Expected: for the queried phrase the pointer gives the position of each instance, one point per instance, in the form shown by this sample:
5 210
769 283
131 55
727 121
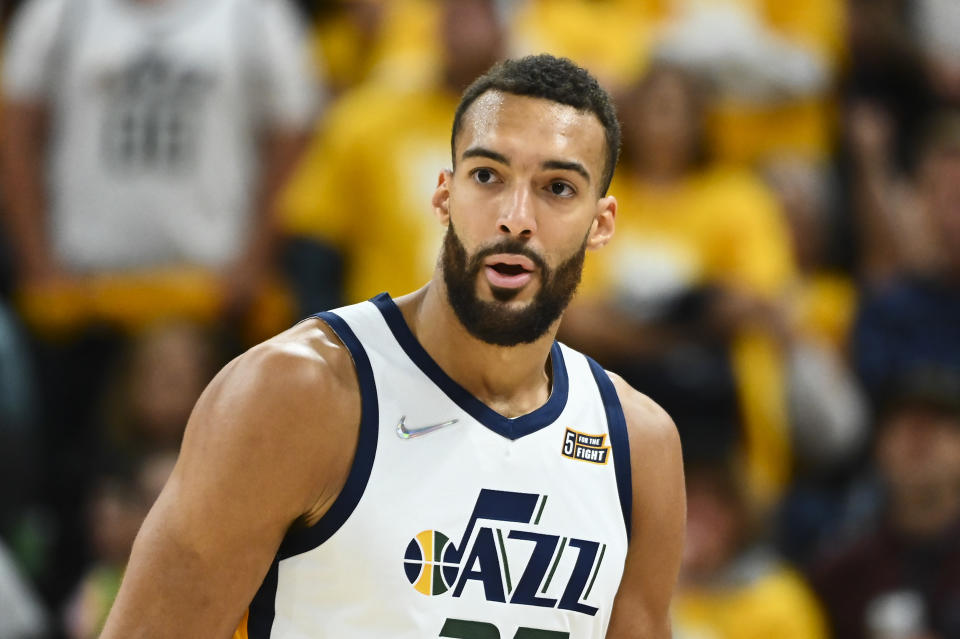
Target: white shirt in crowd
156 110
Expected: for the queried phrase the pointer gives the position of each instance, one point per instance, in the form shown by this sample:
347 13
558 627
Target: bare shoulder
306 353
256 459
294 370
279 405
648 424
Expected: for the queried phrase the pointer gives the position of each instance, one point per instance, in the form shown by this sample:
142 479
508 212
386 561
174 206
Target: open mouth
508 270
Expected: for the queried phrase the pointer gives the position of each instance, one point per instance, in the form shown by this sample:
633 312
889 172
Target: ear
603 223
441 197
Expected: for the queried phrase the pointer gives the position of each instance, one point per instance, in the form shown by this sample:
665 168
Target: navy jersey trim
262 608
300 541
619 440
510 428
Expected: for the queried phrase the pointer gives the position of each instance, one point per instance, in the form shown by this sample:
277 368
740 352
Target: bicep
200 554
642 605
242 478
176 582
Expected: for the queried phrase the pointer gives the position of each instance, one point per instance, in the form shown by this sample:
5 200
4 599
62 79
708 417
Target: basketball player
435 465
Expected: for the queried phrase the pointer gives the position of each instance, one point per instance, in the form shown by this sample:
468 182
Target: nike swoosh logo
406 433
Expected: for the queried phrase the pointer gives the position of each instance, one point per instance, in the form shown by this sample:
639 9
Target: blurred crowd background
183 178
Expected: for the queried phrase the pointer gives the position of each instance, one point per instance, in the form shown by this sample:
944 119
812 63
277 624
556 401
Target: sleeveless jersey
454 520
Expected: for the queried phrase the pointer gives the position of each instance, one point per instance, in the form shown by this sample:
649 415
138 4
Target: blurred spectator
901 578
912 318
892 226
885 102
684 303
773 64
366 183
570 27
732 586
828 412
345 40
145 140
354 43
886 70
116 510
388 41
155 386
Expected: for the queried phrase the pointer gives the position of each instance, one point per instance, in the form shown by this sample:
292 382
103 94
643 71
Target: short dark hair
556 79
928 387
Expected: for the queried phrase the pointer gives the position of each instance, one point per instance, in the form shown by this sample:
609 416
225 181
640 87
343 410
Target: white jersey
156 112
456 521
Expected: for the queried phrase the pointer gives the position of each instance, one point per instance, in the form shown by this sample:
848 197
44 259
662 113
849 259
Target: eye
483 176
562 189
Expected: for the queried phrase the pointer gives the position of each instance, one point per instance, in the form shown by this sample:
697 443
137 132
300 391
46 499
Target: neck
512 380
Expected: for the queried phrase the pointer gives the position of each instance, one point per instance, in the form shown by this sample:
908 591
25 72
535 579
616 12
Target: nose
517 217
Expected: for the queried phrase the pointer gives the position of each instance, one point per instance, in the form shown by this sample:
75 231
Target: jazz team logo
424 566
489 558
588 448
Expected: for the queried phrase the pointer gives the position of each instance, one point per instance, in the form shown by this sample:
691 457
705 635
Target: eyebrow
480 152
562 165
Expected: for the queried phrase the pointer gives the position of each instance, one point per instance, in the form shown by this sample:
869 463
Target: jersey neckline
511 428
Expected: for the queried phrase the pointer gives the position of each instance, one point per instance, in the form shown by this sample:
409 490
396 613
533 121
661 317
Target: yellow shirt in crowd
743 131
365 187
720 226
740 131
401 46
777 604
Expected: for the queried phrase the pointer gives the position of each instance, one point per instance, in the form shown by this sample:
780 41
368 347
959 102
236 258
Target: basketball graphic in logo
424 565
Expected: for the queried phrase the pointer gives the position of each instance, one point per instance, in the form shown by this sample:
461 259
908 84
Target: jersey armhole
305 539
258 623
619 440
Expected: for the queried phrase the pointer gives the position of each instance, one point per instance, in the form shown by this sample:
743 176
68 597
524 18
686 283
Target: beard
495 322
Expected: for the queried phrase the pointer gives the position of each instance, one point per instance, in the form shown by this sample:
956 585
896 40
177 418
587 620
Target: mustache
508 245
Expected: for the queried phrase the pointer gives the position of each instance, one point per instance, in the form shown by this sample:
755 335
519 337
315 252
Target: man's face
918 452
494 322
663 123
522 207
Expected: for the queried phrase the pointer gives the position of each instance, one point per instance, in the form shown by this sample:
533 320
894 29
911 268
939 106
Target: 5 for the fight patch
588 448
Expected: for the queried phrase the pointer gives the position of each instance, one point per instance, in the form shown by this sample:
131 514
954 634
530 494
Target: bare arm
252 463
281 149
894 231
22 152
641 609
